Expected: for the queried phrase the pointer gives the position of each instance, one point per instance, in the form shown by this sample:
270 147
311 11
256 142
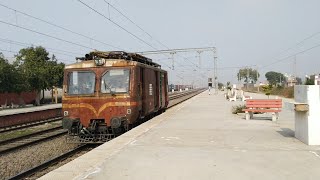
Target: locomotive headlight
99 61
65 113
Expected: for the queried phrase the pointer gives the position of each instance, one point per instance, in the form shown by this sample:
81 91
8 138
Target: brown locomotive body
107 92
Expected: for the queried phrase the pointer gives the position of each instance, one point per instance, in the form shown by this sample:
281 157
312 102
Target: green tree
40 71
274 77
220 85
6 75
267 89
228 85
12 79
299 80
248 74
55 72
309 82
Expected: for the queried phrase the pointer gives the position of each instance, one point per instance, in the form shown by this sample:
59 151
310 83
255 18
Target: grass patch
15 134
238 109
30 130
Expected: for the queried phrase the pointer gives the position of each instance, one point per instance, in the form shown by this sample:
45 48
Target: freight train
108 92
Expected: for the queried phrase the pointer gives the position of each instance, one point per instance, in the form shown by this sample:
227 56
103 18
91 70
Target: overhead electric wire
135 23
44 34
297 44
282 59
59 26
109 19
56 51
143 29
117 24
120 27
8 51
300 42
18 53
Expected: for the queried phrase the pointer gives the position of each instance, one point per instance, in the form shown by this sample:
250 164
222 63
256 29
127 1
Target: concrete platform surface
6 112
200 139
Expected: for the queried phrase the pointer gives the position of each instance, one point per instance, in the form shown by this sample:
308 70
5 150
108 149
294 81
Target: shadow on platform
286 132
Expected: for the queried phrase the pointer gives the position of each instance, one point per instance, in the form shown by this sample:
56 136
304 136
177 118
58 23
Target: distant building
315 78
290 80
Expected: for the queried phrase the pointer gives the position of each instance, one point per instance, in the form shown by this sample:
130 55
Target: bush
287 92
238 109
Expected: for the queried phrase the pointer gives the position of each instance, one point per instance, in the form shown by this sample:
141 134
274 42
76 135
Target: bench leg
277 115
251 115
274 117
247 115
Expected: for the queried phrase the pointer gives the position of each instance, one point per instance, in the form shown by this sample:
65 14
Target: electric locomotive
107 92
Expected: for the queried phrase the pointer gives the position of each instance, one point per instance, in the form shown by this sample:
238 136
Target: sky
261 34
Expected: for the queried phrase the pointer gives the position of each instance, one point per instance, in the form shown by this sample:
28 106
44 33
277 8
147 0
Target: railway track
182 94
51 162
31 124
27 140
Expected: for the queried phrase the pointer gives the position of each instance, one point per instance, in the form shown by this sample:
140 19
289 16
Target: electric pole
172 57
215 72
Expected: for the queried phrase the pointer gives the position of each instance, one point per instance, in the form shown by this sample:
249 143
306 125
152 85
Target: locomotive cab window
115 81
81 83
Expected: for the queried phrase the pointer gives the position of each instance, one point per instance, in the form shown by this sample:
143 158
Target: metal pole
247 78
172 56
199 52
215 73
257 78
295 67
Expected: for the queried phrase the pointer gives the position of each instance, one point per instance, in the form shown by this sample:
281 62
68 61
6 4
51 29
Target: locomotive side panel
148 92
157 91
164 90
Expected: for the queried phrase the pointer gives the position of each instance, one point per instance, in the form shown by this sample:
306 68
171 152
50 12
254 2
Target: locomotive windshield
81 83
115 81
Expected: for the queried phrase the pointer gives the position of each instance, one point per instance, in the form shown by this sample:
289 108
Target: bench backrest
264 103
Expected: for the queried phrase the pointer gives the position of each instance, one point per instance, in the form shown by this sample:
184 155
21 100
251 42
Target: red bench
263 105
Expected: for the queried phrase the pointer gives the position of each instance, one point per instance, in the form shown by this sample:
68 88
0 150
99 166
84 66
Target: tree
248 74
267 89
6 72
55 72
6 75
299 80
33 64
220 85
309 81
228 85
274 77
11 79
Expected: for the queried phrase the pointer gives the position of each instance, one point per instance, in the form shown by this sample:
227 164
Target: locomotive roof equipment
99 55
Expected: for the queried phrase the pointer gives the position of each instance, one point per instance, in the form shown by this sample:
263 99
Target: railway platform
200 139
6 112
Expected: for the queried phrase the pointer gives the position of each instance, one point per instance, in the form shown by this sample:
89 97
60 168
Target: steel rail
181 94
30 124
48 163
31 139
6 141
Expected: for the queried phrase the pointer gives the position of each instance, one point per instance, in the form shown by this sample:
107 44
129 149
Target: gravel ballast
18 161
